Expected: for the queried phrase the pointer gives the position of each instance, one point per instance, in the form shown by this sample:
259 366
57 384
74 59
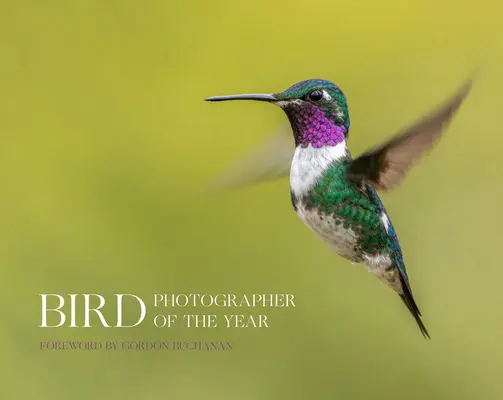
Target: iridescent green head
317 110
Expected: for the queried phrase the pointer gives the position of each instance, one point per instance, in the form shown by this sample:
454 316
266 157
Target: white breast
309 163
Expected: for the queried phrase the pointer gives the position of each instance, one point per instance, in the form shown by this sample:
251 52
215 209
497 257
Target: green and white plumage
334 194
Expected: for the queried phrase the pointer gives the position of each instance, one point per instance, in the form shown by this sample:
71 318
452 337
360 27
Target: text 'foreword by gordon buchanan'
193 310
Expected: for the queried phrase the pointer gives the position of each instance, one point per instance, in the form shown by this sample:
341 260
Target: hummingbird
334 194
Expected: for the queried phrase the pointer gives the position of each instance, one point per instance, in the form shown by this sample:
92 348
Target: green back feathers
335 195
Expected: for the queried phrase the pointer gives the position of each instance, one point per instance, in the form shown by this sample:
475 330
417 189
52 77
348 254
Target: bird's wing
271 159
385 166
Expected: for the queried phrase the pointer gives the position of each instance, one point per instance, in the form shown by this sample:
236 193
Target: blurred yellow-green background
106 145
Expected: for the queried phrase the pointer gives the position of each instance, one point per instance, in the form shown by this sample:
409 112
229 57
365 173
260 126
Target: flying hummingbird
335 194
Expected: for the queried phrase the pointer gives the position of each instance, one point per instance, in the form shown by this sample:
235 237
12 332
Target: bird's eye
315 95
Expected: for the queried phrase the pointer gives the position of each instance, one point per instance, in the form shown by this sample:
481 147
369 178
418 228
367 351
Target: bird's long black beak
257 97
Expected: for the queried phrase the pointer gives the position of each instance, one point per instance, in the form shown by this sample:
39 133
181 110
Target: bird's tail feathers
409 301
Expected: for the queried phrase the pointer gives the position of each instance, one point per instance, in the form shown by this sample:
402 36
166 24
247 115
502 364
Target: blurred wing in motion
271 159
385 166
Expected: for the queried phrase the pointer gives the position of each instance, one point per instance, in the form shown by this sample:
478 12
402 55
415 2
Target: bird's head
317 110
